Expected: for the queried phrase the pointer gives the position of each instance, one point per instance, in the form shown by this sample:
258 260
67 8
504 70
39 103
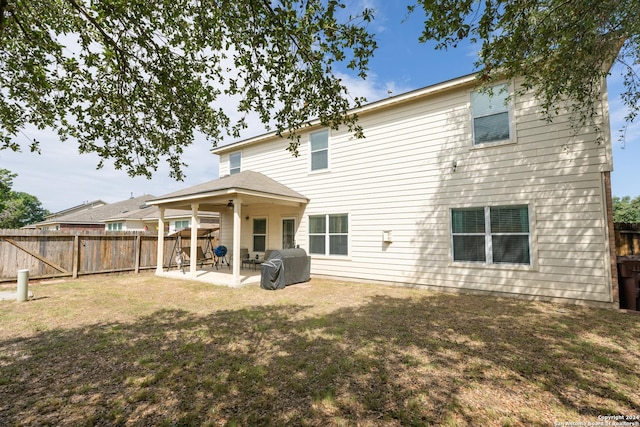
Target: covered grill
285 267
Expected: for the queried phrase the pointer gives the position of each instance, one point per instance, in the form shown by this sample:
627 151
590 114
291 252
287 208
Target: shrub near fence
49 254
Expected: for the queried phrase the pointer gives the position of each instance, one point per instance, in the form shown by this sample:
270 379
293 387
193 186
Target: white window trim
239 153
266 234
328 149
115 226
511 114
295 225
533 250
327 235
487 246
175 223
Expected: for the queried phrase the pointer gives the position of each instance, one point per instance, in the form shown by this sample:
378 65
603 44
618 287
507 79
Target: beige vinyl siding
400 178
274 216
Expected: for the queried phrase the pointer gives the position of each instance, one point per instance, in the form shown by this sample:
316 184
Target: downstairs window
329 234
491 235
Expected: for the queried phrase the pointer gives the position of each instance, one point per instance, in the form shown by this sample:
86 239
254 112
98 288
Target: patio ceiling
252 188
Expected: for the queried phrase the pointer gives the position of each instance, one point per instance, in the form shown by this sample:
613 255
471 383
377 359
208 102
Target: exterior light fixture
230 204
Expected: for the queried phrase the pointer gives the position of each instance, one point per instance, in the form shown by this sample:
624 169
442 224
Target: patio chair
200 256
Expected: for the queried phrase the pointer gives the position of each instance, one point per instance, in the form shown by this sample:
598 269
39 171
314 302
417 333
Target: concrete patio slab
221 277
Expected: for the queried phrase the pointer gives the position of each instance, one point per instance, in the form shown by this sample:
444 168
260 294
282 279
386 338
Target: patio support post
237 217
193 262
160 262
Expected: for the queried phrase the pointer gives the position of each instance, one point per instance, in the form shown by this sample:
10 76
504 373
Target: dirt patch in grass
141 350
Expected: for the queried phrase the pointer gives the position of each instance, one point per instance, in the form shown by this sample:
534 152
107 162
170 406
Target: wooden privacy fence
50 254
627 239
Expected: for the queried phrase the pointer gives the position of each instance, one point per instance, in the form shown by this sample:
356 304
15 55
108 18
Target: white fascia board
190 198
278 197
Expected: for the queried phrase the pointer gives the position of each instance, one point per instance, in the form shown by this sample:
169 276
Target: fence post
76 256
137 252
23 285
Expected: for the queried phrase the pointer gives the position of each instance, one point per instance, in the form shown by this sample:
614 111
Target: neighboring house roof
248 183
453 84
78 208
97 214
150 213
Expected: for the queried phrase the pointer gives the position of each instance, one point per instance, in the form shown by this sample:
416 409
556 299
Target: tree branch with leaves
17 209
563 49
134 80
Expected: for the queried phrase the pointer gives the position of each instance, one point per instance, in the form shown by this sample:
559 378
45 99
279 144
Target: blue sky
62 178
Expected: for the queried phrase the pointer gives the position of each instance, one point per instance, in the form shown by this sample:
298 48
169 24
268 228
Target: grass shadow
432 360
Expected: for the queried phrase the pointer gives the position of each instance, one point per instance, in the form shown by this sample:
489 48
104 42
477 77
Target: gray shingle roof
247 180
78 208
98 214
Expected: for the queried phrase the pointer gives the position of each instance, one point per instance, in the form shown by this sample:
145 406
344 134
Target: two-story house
452 188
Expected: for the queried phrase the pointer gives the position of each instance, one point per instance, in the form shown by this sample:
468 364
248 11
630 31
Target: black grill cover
272 275
285 267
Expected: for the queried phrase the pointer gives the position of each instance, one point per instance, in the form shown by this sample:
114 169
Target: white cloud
372 89
60 177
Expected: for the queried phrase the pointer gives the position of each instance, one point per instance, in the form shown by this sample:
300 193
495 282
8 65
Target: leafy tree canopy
17 209
563 48
626 210
6 183
132 80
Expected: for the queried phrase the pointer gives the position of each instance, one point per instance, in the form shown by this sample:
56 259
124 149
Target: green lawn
141 350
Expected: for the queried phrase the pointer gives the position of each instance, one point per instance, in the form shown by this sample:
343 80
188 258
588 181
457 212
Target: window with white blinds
329 234
235 162
490 110
259 234
469 236
319 146
491 235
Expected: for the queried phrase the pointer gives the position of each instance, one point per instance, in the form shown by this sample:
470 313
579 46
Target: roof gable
247 181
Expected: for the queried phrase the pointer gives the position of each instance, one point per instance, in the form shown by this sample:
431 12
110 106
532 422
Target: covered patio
230 196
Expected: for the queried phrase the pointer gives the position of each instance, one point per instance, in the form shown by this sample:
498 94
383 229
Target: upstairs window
235 159
319 143
491 235
490 111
